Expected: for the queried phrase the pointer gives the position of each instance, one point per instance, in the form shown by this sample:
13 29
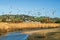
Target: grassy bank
47 34
11 27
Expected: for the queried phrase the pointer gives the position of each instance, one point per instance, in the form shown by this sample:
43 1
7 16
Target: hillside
27 18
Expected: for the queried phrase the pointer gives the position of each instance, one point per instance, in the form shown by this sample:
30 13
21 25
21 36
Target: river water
14 36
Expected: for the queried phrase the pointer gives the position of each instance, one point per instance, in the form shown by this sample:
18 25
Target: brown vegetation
46 34
10 27
27 25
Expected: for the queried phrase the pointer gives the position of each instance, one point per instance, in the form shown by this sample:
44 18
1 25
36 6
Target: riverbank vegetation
10 23
24 26
47 36
51 34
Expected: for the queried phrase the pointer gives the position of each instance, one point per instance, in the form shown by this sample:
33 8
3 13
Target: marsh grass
3 32
47 36
36 36
53 36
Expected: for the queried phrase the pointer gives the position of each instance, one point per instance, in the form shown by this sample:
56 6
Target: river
14 36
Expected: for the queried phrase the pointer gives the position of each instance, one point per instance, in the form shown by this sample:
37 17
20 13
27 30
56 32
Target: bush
58 21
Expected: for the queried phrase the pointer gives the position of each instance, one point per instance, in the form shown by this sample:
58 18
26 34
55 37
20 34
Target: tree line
27 18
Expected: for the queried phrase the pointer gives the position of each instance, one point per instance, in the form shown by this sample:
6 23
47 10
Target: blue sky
27 5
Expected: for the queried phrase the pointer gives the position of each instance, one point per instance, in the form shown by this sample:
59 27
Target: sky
45 7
